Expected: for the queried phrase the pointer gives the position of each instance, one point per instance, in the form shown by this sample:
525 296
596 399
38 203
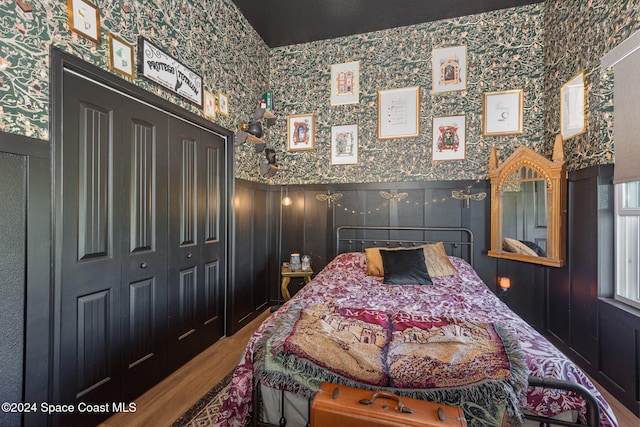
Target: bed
349 327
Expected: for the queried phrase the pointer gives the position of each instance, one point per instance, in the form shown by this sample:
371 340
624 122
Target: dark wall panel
250 285
241 293
309 224
12 280
583 229
24 286
619 347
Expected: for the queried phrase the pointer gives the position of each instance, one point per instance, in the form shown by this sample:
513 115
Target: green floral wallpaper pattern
578 33
209 36
504 50
536 47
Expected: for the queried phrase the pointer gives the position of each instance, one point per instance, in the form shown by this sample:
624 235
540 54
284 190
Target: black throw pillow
405 267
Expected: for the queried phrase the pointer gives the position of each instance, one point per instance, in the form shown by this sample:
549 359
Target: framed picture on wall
449 138
345 83
120 56
301 132
399 113
210 105
502 112
449 69
344 145
223 104
572 107
84 19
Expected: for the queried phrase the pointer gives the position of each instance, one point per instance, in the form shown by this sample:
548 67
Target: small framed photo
572 107
450 69
121 56
502 112
449 138
344 145
210 105
398 113
345 83
223 104
301 132
84 19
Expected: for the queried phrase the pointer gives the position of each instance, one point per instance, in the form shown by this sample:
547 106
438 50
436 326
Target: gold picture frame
399 113
449 69
223 104
344 145
301 129
572 107
502 112
84 19
121 57
449 138
345 83
210 105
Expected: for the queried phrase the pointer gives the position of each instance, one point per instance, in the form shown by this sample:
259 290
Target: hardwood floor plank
625 417
167 401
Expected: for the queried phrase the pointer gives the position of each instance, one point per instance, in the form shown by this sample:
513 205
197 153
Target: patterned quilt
409 312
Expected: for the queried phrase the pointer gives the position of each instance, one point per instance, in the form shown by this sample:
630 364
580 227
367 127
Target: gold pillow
517 247
436 260
438 263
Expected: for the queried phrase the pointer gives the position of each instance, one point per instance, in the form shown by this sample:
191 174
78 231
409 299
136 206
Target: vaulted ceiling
287 22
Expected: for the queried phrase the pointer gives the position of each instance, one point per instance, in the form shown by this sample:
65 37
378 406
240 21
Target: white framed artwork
449 138
344 145
449 71
345 83
572 107
502 112
399 113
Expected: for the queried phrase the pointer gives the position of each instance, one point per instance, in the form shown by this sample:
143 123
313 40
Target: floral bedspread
344 283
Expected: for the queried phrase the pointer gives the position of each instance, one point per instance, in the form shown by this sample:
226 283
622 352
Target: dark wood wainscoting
24 273
253 259
266 232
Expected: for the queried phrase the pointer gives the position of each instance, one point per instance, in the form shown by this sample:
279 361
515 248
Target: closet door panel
213 247
184 256
87 246
144 246
196 240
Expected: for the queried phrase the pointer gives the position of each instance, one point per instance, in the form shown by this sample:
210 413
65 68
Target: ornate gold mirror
528 206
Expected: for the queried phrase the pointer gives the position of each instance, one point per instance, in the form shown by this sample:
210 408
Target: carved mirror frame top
554 173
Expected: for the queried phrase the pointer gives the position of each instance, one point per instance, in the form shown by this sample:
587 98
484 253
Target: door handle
189 255
143 265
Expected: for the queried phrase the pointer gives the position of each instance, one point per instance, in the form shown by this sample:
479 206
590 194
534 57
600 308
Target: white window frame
627 255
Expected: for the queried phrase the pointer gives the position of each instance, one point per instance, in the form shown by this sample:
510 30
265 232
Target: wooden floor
167 401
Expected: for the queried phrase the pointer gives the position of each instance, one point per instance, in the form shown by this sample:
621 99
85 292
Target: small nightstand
286 278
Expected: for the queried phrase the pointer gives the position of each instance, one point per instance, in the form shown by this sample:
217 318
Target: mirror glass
524 217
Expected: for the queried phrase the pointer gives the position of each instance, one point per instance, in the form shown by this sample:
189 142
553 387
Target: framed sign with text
156 65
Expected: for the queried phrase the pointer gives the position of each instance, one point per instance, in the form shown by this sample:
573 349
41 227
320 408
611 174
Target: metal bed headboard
458 241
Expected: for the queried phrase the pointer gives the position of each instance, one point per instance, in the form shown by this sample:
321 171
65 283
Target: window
628 243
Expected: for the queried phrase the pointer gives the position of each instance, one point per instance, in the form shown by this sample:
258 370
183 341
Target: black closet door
144 179
112 247
197 273
88 249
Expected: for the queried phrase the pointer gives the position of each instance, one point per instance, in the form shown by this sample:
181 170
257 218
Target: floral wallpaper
209 36
517 48
594 27
504 51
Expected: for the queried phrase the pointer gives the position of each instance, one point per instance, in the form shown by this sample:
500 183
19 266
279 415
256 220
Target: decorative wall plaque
160 67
